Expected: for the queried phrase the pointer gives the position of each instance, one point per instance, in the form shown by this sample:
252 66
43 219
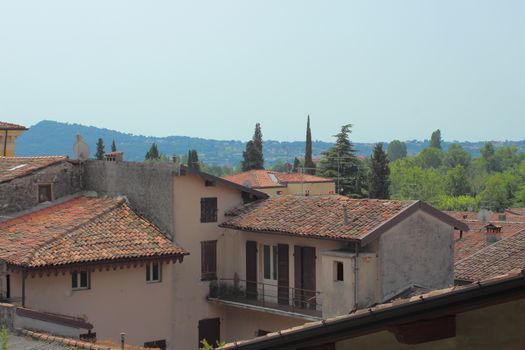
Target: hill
55 138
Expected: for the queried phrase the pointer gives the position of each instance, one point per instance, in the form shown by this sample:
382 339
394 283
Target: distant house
276 183
8 134
93 258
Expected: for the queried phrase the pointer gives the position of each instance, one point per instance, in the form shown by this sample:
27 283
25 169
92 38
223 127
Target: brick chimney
114 156
493 233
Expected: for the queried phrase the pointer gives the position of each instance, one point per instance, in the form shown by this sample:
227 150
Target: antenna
81 149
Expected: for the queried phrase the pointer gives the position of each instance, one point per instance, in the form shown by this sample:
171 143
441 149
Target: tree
279 166
456 182
253 156
309 164
113 146
488 158
396 150
296 165
379 174
435 139
455 156
340 163
100 149
193 159
153 153
430 158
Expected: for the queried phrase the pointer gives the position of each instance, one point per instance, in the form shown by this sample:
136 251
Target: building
8 134
289 259
96 259
276 183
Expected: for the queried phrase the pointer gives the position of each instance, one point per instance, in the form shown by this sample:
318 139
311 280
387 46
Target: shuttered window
209 209
208 260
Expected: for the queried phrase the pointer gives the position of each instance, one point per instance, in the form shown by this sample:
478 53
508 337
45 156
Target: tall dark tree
253 156
296 165
488 156
435 139
379 182
341 164
396 150
113 146
153 153
309 164
193 159
100 149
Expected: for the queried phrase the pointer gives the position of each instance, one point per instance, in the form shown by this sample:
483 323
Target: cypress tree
113 146
296 165
308 161
100 149
379 174
153 153
435 139
253 156
193 159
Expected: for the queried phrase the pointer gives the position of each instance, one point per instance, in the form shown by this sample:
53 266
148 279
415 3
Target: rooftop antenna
81 149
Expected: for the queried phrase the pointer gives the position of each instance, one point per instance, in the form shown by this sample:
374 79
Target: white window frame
273 262
79 279
150 268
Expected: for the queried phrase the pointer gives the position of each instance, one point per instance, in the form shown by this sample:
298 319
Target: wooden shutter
298 276
208 260
283 274
210 329
251 269
309 276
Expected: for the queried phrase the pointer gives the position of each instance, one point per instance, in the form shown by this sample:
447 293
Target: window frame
208 268
44 185
339 271
272 264
150 269
209 209
78 275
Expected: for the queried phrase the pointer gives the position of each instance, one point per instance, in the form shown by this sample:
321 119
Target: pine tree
435 139
113 146
100 149
309 164
296 165
153 153
193 159
379 174
253 156
341 164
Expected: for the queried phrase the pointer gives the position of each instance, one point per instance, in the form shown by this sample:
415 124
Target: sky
212 69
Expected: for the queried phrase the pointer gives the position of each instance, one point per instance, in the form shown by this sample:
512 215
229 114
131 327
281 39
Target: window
157 344
270 262
209 209
80 280
338 271
153 272
209 183
208 260
44 193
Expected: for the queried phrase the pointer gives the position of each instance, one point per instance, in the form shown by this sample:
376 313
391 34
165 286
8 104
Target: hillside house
9 132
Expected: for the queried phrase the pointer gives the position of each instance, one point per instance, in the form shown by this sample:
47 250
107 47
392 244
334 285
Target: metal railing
268 295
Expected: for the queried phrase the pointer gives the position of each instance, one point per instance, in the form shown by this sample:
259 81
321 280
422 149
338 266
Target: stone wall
22 193
148 187
7 315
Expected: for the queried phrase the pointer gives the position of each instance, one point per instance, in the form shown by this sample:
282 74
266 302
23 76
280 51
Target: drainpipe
24 275
356 273
5 143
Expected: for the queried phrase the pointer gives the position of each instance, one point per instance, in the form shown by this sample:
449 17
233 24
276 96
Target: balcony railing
267 295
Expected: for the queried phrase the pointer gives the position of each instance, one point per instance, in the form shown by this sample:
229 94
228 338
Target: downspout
356 273
5 143
24 275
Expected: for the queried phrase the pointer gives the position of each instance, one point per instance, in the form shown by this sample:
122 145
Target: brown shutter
210 329
283 274
251 269
208 260
298 275
309 276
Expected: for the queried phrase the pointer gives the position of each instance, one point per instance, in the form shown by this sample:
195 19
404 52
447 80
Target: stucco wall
22 193
148 186
312 188
12 135
118 301
417 251
495 327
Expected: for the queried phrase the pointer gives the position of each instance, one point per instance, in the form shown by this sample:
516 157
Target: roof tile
14 167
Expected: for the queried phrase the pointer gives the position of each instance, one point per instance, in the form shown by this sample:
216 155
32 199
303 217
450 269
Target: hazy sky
395 69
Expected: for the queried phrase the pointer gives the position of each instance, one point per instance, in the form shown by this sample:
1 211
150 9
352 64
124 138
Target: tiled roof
13 167
11 126
320 216
511 215
499 258
475 239
267 178
83 229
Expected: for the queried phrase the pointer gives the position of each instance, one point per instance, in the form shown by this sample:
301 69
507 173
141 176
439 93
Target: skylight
273 178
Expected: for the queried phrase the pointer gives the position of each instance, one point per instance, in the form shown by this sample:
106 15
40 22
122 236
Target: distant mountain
54 138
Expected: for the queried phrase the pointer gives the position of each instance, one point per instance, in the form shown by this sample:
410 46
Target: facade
275 183
8 134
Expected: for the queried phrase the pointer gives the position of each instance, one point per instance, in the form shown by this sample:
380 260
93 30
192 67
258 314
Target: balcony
282 300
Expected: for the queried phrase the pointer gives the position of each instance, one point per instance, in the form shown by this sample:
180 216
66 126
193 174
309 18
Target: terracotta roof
13 167
499 258
80 230
267 178
323 216
511 215
475 239
11 126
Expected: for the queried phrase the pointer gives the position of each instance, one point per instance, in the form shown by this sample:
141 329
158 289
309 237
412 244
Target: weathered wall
312 188
22 193
12 135
417 251
495 327
7 315
148 186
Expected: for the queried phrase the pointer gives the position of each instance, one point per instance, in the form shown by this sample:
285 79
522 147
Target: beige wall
312 188
495 327
118 301
12 135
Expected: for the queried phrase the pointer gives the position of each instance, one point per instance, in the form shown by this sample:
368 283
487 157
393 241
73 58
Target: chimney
114 156
493 233
502 217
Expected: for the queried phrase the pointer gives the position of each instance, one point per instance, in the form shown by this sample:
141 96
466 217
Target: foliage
218 170
153 153
379 174
206 346
456 182
414 182
100 150
309 164
456 155
296 165
253 155
280 166
396 150
435 139
4 339
463 203
113 146
193 160
430 158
